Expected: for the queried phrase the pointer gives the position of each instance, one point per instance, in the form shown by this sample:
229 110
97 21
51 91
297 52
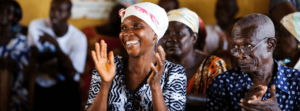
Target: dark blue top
228 88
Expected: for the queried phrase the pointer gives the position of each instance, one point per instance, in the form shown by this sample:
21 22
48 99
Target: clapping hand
256 104
157 72
105 69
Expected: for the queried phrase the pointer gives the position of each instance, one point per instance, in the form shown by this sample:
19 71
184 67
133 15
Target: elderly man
259 83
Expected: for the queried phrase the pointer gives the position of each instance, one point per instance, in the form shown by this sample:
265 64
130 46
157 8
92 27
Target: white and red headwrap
155 16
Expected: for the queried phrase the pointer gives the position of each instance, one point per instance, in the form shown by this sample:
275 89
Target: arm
154 82
195 99
215 100
65 64
107 72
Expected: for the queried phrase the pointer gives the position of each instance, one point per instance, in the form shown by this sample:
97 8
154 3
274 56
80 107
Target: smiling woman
135 83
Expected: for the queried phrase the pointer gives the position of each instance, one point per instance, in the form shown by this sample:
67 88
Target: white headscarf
152 14
185 16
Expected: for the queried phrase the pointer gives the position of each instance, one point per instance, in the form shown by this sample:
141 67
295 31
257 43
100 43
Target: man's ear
271 44
195 37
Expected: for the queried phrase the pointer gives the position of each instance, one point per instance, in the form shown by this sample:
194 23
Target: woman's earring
298 45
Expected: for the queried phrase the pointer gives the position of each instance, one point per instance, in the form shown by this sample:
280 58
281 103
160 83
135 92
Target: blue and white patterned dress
227 89
120 98
18 50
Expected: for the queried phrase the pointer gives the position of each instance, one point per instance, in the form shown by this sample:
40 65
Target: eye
235 46
137 26
123 28
178 33
249 46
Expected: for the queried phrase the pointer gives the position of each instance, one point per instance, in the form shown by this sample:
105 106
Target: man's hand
48 38
269 104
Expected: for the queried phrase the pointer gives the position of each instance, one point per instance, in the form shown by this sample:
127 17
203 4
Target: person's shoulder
231 74
37 22
174 67
76 31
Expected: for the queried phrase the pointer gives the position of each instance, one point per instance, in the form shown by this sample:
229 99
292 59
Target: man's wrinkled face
248 38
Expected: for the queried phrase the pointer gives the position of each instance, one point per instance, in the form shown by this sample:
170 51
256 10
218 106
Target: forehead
60 4
132 19
245 33
7 5
176 25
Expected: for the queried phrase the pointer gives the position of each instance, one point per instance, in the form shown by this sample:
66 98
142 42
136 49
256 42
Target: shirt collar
279 79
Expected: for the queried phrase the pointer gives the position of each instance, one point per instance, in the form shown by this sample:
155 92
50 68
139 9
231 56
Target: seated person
109 33
168 4
14 54
288 41
178 42
135 83
54 37
218 34
260 82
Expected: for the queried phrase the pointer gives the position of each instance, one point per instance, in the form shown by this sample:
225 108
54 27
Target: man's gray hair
264 25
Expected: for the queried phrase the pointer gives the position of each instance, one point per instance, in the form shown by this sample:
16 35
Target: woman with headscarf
178 43
143 81
288 44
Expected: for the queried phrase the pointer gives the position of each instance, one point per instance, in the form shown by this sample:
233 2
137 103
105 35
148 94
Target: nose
171 38
128 33
241 54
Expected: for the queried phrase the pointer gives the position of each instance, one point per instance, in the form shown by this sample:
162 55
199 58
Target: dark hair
17 10
176 4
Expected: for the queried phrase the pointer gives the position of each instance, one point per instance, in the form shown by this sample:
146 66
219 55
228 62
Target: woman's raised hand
157 72
106 70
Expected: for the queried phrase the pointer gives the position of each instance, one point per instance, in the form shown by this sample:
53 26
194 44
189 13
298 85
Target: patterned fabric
228 88
185 16
274 3
18 50
291 22
152 14
208 70
120 98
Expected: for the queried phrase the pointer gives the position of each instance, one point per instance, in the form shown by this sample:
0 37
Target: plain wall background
33 9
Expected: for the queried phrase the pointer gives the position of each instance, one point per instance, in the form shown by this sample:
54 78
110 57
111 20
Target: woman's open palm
105 69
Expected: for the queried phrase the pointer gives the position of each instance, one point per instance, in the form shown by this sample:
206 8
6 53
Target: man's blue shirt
227 89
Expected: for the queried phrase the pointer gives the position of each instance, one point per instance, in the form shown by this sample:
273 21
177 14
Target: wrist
155 87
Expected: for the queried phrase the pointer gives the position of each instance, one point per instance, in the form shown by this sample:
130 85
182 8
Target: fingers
111 58
153 68
273 91
102 49
97 48
94 56
161 53
159 61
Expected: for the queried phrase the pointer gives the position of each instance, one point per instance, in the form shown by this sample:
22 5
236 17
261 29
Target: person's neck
5 34
60 30
141 65
263 76
186 60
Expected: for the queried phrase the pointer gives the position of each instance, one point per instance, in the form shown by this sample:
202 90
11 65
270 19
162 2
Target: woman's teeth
129 43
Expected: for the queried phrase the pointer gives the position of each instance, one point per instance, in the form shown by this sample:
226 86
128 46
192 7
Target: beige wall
33 9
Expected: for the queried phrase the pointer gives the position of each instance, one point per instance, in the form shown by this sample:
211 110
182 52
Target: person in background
134 83
288 44
110 34
14 54
178 42
260 82
280 8
168 4
65 46
217 34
